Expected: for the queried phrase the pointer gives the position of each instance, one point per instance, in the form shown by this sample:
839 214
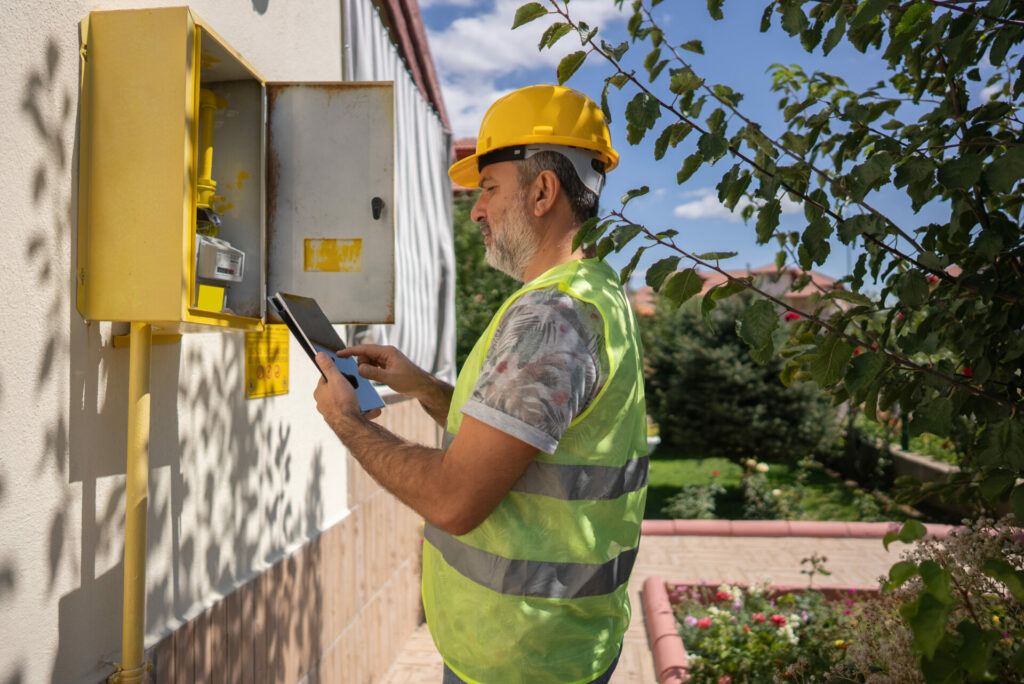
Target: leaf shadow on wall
206 517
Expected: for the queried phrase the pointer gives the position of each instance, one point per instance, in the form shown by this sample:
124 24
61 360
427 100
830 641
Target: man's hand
387 365
335 398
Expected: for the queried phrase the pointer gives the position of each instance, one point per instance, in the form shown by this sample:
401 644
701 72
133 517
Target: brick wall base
337 610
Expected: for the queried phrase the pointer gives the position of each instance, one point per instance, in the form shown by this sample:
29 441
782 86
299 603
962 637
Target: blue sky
479 58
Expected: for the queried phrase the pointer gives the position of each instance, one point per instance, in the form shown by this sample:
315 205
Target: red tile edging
781 528
670 662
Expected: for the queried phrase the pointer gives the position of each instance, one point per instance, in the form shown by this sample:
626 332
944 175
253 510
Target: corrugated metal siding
424 328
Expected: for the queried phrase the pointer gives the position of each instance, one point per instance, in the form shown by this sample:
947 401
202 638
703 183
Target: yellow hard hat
539 117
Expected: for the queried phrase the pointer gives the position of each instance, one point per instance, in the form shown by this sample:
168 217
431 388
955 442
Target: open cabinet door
330 197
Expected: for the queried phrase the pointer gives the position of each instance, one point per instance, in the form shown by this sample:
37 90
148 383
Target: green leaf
912 289
1002 444
1004 173
636 192
863 370
815 240
553 34
657 273
961 173
693 46
846 296
622 235
584 228
973 653
768 220
1001 570
528 13
861 224
900 573
927 619
937 581
730 288
707 305
641 113
684 81
569 64
690 166
867 12
712 146
1017 502
996 484
715 256
911 531
933 416
830 363
715 9
682 286
910 17
628 269
671 135
617 51
757 323
794 20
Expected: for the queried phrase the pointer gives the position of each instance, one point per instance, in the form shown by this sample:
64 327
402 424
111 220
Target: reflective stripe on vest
586 482
579 482
532 578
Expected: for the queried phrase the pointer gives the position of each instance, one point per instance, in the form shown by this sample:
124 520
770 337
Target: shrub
710 398
962 595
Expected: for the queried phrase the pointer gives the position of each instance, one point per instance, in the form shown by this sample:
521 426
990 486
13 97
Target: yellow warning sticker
333 255
266 362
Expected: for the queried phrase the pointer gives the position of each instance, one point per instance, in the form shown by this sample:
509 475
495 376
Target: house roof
819 281
404 22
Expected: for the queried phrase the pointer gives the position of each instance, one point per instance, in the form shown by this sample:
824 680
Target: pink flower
746 628
690 620
725 679
757 617
723 596
703 623
777 620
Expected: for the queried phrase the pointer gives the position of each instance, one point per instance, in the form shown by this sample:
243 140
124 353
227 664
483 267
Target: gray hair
582 200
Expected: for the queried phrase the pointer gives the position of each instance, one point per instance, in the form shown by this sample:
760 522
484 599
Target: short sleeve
545 364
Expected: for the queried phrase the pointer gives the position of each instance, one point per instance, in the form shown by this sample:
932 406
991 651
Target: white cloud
473 52
706 205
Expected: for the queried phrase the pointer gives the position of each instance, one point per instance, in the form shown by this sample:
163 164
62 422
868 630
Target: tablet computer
315 333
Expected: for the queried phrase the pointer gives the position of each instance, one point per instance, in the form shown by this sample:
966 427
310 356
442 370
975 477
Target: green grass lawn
823 497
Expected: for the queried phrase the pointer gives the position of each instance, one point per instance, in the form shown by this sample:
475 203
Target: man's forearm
435 396
411 472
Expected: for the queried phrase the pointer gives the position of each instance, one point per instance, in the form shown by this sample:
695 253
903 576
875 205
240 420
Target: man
534 503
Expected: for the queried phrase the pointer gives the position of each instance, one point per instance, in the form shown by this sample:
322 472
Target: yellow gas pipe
133 666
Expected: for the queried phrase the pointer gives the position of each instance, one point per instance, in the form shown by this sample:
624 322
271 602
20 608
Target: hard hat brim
465 172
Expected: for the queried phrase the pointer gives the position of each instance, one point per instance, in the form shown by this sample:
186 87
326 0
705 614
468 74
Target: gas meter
202 187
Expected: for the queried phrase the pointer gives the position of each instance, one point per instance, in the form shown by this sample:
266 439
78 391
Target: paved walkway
852 562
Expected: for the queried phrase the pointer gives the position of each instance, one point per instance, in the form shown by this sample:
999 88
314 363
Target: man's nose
479 211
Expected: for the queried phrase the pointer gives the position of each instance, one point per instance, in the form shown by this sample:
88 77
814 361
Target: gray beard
516 247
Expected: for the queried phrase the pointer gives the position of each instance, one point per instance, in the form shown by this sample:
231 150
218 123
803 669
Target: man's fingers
326 364
371 372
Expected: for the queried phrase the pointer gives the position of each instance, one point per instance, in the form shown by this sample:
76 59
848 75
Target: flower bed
746 633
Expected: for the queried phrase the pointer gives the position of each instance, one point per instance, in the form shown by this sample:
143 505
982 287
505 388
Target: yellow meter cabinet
203 188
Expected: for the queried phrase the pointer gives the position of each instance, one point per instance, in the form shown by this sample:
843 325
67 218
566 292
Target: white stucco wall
234 484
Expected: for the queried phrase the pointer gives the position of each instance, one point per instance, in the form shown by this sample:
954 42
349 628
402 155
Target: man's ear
544 192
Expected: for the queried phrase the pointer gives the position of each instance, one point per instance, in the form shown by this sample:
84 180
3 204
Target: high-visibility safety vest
537 592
